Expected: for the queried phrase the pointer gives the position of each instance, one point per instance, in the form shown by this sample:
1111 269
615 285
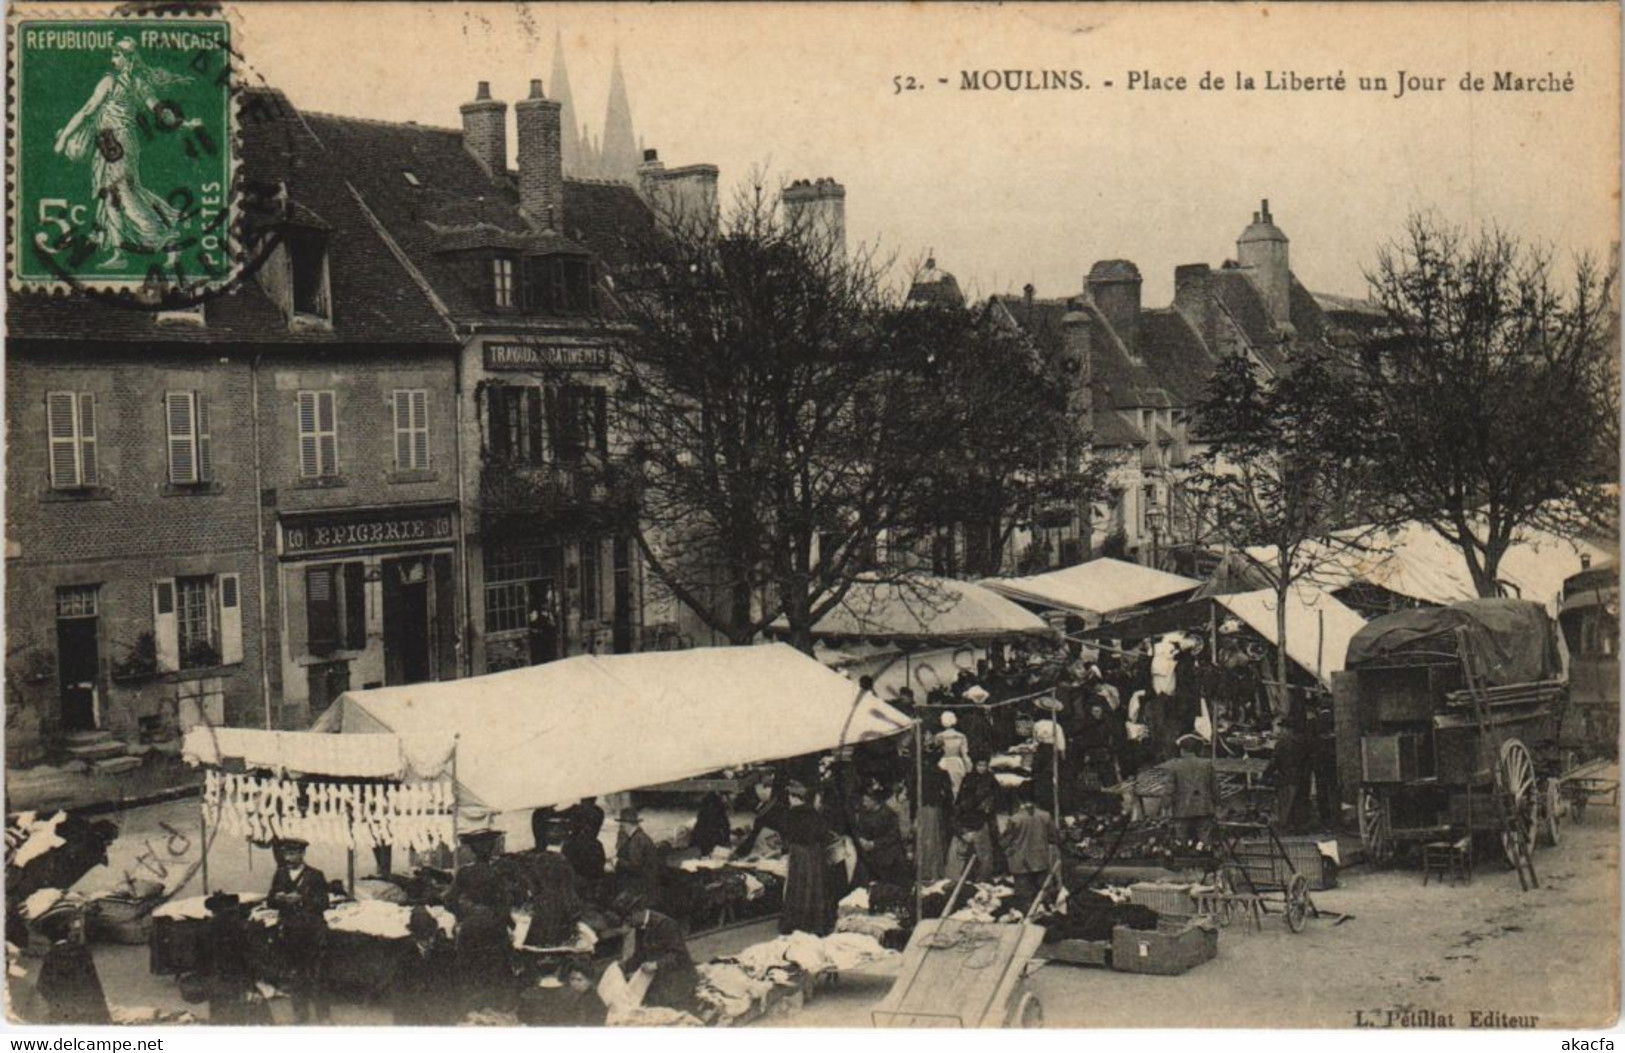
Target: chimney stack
818 207
1262 248
1193 298
485 131
541 159
683 198
1079 364
1114 286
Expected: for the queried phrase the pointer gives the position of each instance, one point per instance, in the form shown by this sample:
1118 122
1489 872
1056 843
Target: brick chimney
1193 298
1079 365
541 159
1262 249
818 206
682 198
485 131
1114 286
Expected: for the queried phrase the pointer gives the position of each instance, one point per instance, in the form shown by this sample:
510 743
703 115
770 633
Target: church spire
571 145
620 152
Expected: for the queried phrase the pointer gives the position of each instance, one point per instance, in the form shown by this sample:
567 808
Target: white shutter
164 631
182 429
327 423
420 430
402 409
231 620
62 432
205 455
87 439
309 459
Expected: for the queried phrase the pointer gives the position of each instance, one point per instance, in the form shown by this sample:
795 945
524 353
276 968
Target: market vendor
480 899
712 829
973 824
555 905
68 983
585 852
425 993
1032 845
1194 801
234 998
637 860
809 900
880 840
656 948
299 894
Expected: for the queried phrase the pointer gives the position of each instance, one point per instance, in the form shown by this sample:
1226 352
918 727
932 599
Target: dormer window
502 282
560 284
308 279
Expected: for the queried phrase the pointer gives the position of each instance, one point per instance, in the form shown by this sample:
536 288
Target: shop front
369 600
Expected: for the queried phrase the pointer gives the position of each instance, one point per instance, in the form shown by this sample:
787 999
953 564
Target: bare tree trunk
1281 591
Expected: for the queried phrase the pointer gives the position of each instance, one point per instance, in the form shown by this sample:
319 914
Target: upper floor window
186 419
411 410
70 425
514 424
307 265
318 434
502 282
582 424
560 284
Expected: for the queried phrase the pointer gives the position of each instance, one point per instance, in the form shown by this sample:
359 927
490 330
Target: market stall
1099 590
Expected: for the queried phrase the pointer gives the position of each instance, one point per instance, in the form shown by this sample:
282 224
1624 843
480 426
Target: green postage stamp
122 155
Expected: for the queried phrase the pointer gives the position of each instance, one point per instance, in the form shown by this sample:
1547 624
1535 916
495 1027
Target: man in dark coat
1322 734
880 841
972 824
586 855
68 982
480 899
227 967
555 904
1032 844
299 894
1195 798
425 991
637 860
659 950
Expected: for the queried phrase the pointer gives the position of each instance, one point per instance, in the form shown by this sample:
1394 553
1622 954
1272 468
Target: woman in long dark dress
711 826
936 803
68 982
808 905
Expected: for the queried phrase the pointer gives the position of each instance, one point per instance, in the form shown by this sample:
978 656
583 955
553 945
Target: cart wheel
1515 777
1297 903
1029 1012
1551 801
1374 826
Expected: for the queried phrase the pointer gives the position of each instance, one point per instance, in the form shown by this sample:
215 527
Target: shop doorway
78 651
408 632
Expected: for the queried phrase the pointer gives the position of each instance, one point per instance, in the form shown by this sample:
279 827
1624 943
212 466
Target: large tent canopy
1318 625
920 609
1096 588
588 726
1412 560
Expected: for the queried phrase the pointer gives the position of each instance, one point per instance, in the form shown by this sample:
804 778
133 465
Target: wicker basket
1170 950
1165 899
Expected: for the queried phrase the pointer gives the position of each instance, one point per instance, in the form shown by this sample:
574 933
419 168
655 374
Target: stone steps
97 751
115 765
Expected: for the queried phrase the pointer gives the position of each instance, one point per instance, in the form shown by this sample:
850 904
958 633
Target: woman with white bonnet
955 749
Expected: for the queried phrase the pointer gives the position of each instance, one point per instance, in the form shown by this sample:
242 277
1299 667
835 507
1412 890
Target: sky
1034 186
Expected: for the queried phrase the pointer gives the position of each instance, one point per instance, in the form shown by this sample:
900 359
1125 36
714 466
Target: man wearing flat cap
1195 799
637 860
299 894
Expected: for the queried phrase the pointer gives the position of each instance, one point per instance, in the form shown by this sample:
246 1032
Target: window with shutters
195 622
336 607
186 416
560 285
318 435
411 430
70 424
514 424
581 422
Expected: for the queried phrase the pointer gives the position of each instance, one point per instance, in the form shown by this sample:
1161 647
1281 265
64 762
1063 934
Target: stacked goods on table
718 888
884 912
1141 842
779 975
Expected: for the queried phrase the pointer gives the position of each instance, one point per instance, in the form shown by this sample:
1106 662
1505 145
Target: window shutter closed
554 425
355 606
496 420
163 625
538 421
231 620
326 418
403 430
87 439
182 445
309 464
61 433
600 421
205 455
321 611
420 429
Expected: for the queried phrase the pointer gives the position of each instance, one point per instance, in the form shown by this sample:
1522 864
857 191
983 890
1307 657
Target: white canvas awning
1098 587
921 609
589 726
378 756
1308 610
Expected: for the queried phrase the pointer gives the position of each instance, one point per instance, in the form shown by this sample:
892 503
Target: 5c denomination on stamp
122 155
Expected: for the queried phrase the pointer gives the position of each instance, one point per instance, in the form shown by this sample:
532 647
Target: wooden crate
1077 952
1169 950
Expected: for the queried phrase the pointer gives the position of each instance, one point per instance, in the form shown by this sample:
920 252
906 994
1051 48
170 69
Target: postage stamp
122 154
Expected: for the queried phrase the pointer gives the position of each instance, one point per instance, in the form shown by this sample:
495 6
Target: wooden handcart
1253 876
1597 781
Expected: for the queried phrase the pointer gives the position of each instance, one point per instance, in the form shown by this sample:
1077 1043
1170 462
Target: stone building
1144 368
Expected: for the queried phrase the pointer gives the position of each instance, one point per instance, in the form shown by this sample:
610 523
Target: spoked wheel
1515 779
1029 1012
1551 799
1374 826
1297 903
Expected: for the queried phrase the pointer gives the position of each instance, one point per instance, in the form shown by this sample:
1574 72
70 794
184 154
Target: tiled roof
1243 302
1114 428
611 219
374 299
1175 355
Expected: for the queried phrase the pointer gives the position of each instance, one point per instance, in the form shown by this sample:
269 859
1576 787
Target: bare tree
1494 390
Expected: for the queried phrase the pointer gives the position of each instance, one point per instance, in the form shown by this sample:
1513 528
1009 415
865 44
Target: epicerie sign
546 356
385 529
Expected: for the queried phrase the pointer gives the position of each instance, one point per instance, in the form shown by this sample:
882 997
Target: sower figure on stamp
299 894
106 130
